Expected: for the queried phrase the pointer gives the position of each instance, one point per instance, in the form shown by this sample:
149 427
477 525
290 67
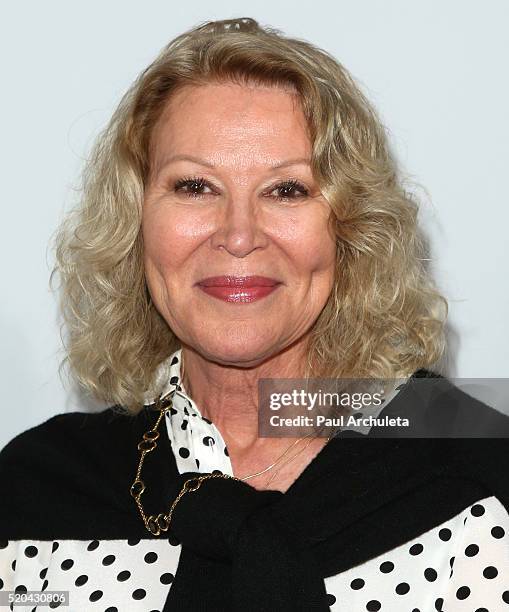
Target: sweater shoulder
437 407
78 465
76 427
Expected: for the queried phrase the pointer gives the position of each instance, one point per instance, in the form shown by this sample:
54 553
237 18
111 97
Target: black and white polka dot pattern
461 565
196 442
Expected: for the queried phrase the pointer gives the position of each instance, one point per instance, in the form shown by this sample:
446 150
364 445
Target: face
238 256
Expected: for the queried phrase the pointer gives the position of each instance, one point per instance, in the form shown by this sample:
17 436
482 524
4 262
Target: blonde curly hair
384 317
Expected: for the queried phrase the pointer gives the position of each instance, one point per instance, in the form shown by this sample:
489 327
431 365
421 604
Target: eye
289 190
192 187
195 187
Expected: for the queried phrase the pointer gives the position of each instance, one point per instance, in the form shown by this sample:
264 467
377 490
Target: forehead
231 124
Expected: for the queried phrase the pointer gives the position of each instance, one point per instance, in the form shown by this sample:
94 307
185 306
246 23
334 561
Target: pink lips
238 289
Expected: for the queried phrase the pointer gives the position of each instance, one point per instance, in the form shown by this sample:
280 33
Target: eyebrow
204 162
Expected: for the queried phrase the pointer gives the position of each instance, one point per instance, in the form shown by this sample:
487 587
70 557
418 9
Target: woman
242 219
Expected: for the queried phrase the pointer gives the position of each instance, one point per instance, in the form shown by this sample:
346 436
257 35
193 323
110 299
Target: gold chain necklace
156 524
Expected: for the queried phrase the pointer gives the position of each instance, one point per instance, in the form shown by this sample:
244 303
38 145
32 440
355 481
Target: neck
228 394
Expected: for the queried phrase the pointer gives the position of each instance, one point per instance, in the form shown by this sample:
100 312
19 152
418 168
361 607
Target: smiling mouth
238 289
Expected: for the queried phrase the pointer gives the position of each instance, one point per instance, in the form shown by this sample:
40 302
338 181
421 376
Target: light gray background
437 72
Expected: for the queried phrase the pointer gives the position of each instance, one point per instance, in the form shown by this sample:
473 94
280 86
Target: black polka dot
197 463
150 557
174 380
402 588
208 441
67 564
416 549
226 451
498 532
471 550
13 565
477 510
42 573
111 609
21 588
96 595
331 599
386 567
430 574
44 585
357 584
462 593
482 610
216 472
438 604
445 534
505 597
373 605
31 551
167 578
123 576
451 561
174 360
1 584
139 594
54 604
184 424
55 546
81 580
108 560
490 572
93 545
133 542
184 452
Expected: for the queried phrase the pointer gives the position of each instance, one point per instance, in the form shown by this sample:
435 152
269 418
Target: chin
238 347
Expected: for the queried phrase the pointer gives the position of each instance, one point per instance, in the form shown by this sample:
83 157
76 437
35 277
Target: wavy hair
384 317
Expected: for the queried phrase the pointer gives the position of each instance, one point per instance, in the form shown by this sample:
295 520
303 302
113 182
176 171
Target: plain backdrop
436 71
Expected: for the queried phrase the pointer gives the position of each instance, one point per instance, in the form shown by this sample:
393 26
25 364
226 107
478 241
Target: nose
238 228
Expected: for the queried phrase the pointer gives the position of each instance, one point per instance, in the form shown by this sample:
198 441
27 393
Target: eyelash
201 182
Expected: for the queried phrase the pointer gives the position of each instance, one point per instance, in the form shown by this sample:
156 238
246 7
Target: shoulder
76 464
76 431
65 439
436 406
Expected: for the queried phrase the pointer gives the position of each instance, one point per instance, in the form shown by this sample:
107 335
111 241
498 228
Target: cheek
309 243
169 238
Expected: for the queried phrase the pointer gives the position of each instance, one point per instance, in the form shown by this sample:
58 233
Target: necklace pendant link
153 525
147 445
163 522
137 488
193 484
151 434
